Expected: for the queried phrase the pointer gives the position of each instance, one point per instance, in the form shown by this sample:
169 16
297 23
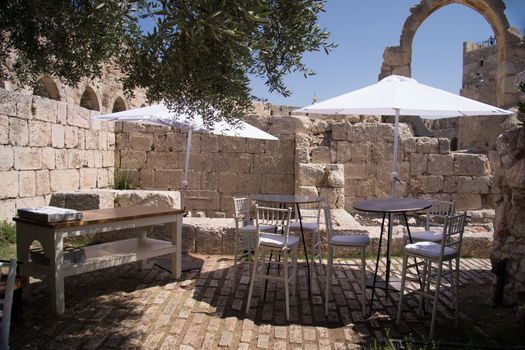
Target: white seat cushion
253 228
429 249
307 226
350 240
276 241
428 236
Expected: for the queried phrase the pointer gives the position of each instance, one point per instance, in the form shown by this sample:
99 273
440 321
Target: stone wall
350 161
48 146
220 167
509 221
479 72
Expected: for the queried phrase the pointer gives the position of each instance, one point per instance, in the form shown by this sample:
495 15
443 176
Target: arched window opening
89 100
119 105
47 88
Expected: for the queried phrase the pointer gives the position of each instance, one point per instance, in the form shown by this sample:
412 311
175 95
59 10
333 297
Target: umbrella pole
393 175
186 166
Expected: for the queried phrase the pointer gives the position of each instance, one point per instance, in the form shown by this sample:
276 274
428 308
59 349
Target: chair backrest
7 303
280 218
242 210
453 232
438 211
328 221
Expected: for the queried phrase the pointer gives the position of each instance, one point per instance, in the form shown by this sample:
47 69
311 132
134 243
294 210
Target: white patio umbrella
161 115
397 95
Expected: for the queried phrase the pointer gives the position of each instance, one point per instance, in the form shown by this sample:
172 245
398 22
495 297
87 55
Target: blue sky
363 29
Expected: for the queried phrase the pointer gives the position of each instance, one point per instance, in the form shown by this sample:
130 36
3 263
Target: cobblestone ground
127 308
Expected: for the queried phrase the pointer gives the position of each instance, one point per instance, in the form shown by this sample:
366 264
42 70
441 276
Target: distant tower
314 99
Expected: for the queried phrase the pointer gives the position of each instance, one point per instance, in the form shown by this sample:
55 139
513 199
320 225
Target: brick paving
126 308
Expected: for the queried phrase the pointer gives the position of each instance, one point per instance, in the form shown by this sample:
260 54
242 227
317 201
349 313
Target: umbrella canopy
161 115
397 95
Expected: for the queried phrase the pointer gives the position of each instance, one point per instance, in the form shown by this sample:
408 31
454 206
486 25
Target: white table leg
56 277
175 230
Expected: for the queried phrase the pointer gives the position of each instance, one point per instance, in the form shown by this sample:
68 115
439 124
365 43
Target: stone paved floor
127 308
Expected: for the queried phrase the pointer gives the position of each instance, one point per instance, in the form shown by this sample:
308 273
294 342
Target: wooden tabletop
286 198
392 205
101 216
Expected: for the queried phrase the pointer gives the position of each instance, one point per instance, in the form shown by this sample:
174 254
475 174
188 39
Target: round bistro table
388 207
296 200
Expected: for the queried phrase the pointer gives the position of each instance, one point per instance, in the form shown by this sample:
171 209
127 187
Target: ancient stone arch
119 105
89 99
47 88
397 59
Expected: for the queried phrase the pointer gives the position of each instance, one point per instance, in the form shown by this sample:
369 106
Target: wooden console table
99 256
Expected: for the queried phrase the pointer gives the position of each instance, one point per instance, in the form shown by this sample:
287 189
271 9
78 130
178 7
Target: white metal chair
245 232
7 303
429 253
280 243
435 216
354 241
310 221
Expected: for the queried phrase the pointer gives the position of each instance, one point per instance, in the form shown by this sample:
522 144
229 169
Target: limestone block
103 140
141 141
336 176
4 129
241 163
18 132
40 134
9 184
368 119
48 158
418 163
395 56
289 125
252 146
365 188
203 161
62 113
7 157
71 137
343 152
24 104
158 199
440 164
302 155
353 152
450 184
362 132
26 184
210 181
78 116
7 209
30 202
167 179
228 183
61 159
28 158
90 158
203 200
515 175
248 183
426 184
176 141
232 144
355 171
147 178
494 160
88 178
303 140
91 139
320 126
471 164
44 109
131 159
57 135
104 178
339 131
351 187
333 196
307 191
466 201
163 160
64 180
7 102
310 174
73 159
285 145
208 240
108 158
444 145
469 184
43 184
210 143
321 154
427 145
277 183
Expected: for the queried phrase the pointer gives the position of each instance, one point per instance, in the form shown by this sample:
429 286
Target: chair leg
363 281
436 299
294 263
252 279
456 291
286 286
328 289
422 296
401 292
235 262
